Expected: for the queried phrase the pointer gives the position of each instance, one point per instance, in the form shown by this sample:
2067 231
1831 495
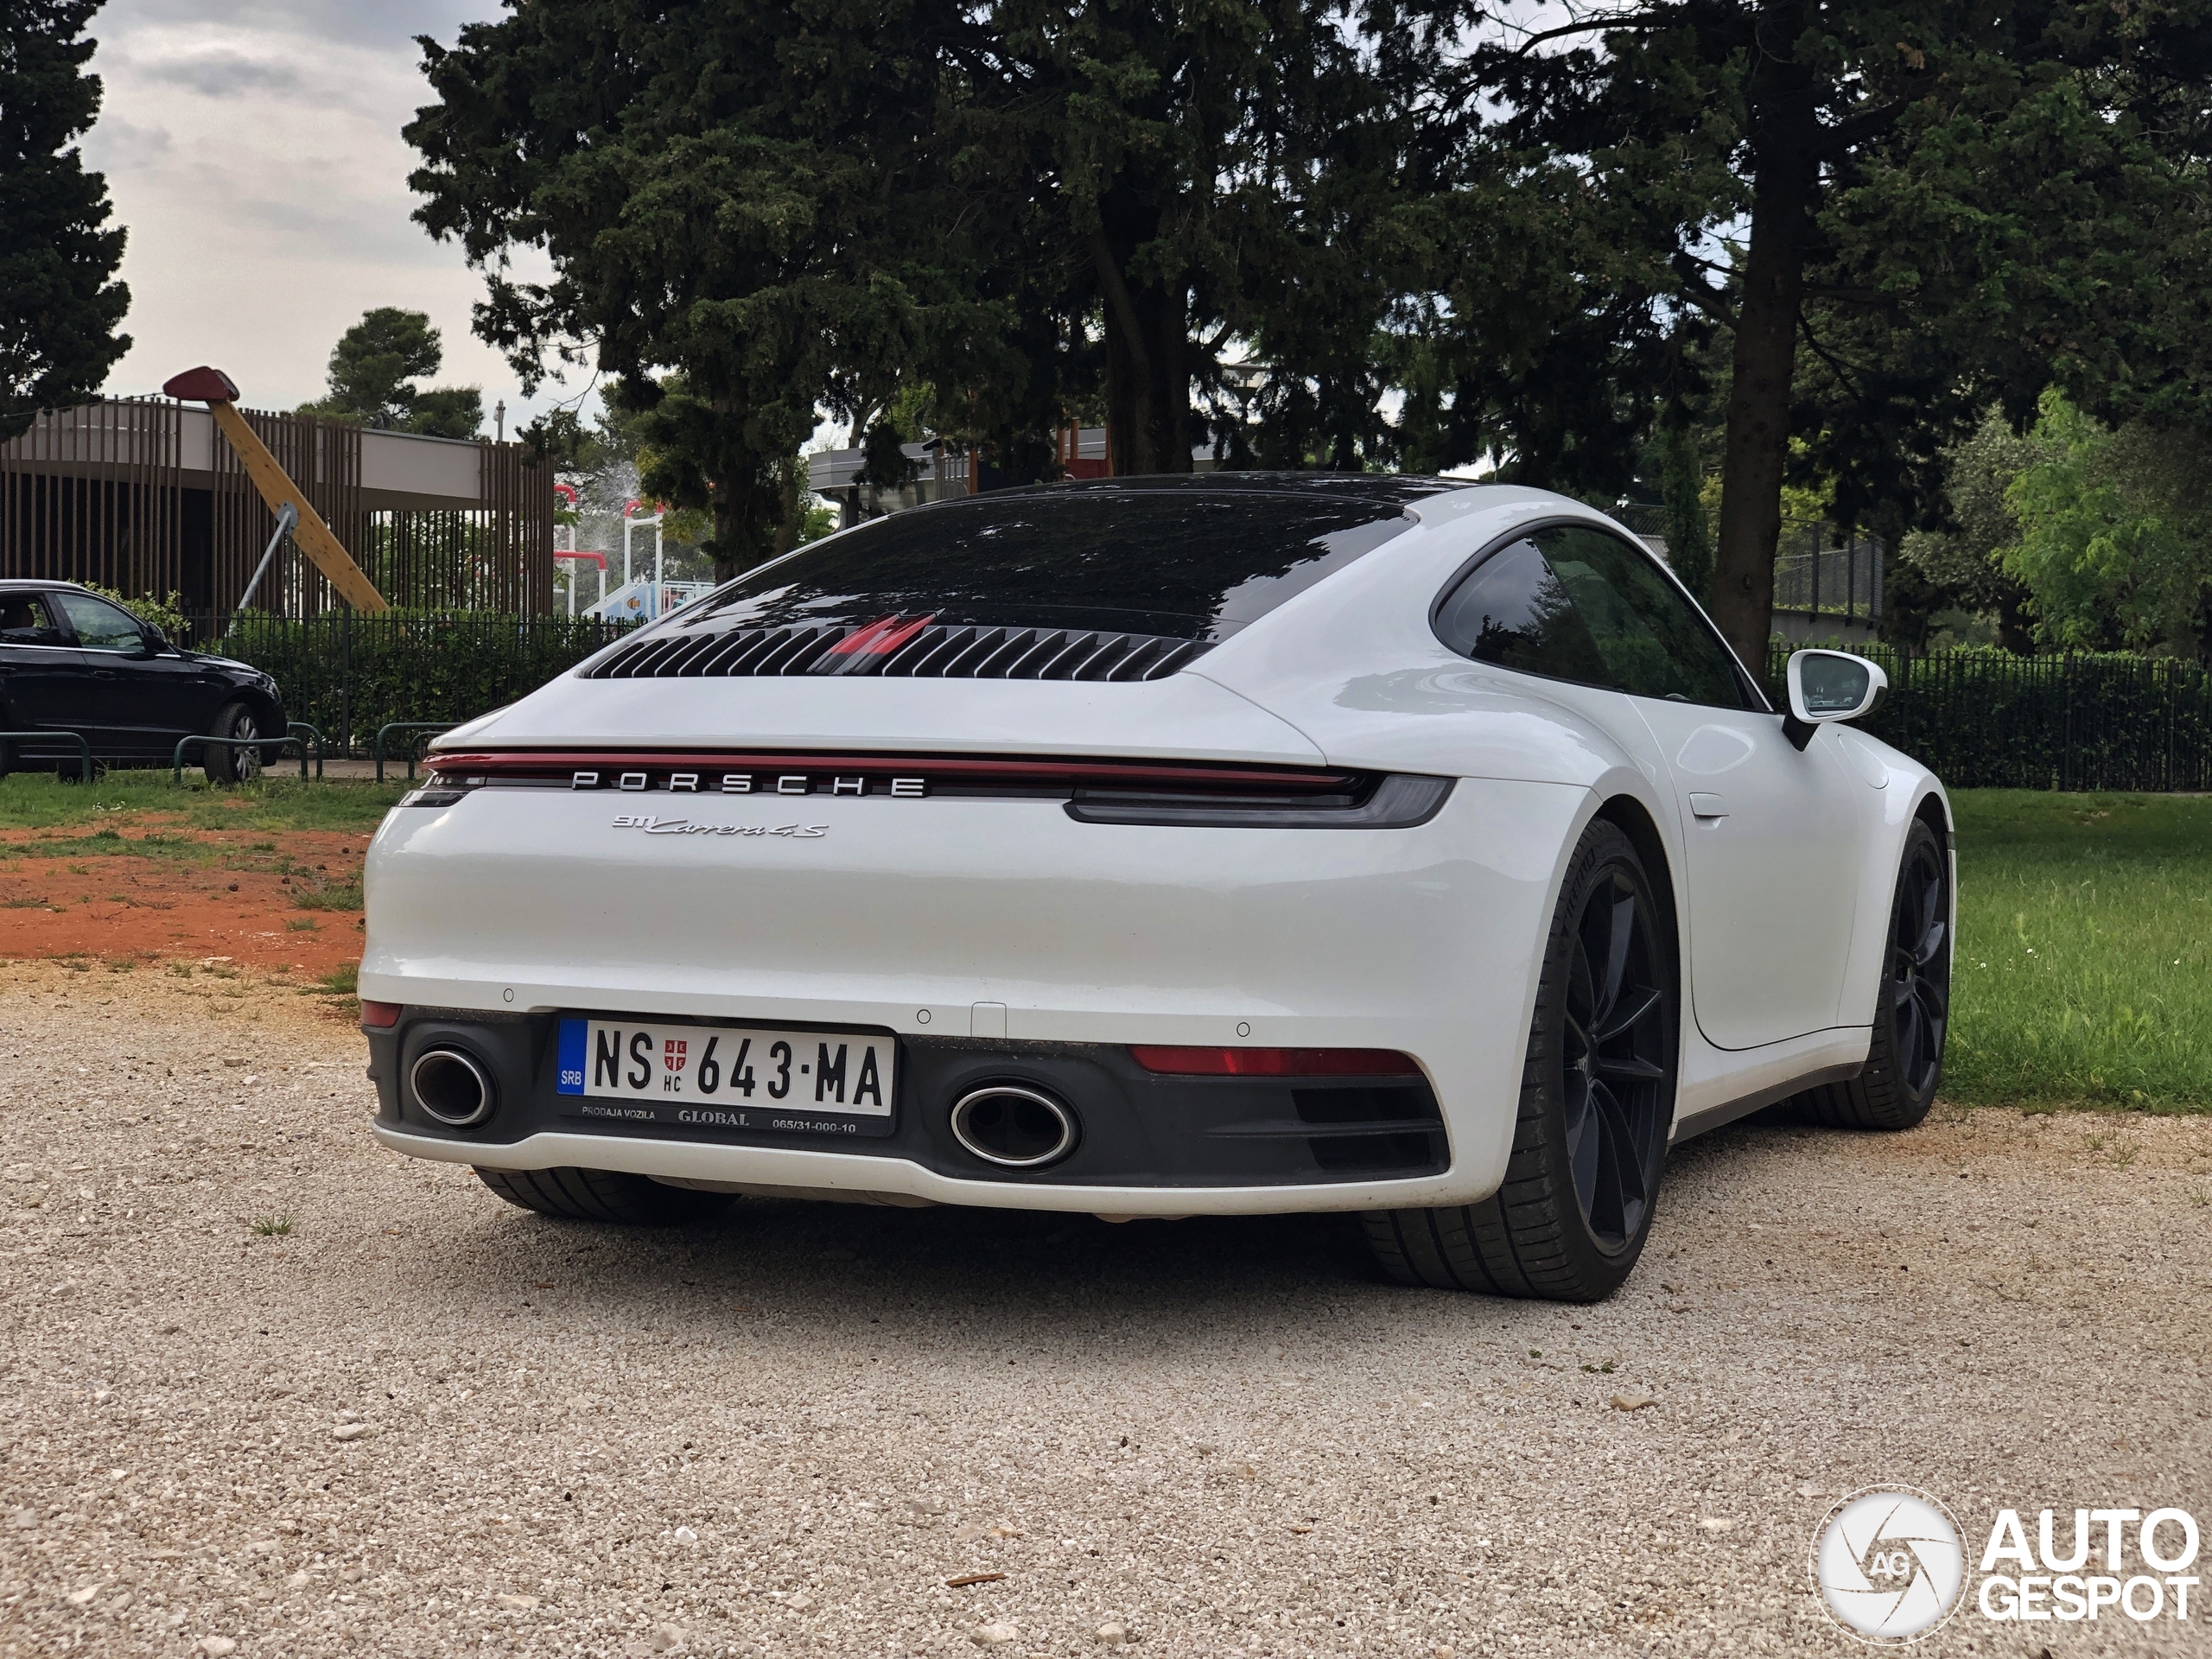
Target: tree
58 309
756 211
1199 180
372 373
2115 533
560 437
745 209
1961 566
1919 187
1690 544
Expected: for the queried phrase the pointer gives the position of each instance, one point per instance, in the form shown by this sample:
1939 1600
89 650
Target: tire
232 765
1912 1009
1590 1137
605 1195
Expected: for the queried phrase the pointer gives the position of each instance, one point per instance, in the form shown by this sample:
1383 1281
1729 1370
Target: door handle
1707 806
103 674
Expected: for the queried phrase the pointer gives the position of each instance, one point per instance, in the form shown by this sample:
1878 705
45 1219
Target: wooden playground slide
314 538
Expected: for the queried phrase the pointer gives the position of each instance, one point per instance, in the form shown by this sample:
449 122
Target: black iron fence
349 674
1986 719
1822 572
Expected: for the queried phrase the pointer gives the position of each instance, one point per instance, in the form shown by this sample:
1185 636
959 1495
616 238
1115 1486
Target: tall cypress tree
59 307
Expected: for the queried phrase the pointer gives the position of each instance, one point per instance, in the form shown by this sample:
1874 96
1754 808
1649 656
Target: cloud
252 149
220 73
390 24
115 144
359 240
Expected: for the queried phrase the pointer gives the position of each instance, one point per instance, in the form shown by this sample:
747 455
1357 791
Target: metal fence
1820 572
1986 719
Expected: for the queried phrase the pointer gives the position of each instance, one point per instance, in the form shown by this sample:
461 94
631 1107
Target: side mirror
156 641
1827 685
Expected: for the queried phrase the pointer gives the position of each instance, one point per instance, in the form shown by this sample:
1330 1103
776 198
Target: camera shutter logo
1888 1565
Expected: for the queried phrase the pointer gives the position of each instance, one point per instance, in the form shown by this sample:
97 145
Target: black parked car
72 662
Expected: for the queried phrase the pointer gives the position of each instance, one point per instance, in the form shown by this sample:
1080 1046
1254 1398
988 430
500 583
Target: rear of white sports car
932 864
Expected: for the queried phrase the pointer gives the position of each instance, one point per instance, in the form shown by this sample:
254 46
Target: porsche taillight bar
971 771
1159 794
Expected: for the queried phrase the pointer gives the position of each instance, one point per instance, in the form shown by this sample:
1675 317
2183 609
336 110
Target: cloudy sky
252 149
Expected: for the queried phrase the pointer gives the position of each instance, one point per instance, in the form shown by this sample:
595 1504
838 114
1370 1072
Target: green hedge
348 676
1981 718
1986 719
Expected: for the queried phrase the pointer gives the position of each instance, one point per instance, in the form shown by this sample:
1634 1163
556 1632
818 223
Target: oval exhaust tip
451 1087
1013 1126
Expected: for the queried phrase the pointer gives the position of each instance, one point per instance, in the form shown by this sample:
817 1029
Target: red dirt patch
119 906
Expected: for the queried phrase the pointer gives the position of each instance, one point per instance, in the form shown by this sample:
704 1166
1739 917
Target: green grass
2084 970
343 896
31 800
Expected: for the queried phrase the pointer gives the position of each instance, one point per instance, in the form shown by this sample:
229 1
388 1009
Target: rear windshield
1187 566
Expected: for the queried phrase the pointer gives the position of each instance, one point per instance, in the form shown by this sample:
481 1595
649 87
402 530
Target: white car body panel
905 915
1772 841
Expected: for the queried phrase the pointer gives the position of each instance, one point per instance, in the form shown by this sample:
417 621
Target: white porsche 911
1230 844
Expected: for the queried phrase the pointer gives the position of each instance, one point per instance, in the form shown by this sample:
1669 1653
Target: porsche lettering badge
746 783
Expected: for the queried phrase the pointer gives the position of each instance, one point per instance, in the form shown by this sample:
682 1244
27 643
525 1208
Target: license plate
748 1078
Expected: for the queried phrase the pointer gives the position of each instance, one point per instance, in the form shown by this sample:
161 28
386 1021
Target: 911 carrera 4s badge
728 1078
653 825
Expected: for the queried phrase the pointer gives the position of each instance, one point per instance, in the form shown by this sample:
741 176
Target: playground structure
150 496
641 601
296 514
635 598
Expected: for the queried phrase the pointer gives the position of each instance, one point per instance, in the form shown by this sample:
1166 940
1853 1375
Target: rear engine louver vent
924 651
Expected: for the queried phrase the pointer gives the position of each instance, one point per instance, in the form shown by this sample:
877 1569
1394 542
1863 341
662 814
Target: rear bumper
1137 1130
1004 938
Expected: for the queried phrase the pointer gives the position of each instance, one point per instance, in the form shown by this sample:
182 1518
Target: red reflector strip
1277 1062
380 1015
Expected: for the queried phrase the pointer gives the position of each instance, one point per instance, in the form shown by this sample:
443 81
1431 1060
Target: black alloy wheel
1597 1105
1919 977
1912 1005
1614 1061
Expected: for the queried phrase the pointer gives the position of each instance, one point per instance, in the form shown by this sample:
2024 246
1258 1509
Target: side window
1653 642
1514 611
25 621
100 626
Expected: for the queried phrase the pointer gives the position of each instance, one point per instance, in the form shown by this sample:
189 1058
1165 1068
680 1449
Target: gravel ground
422 1422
